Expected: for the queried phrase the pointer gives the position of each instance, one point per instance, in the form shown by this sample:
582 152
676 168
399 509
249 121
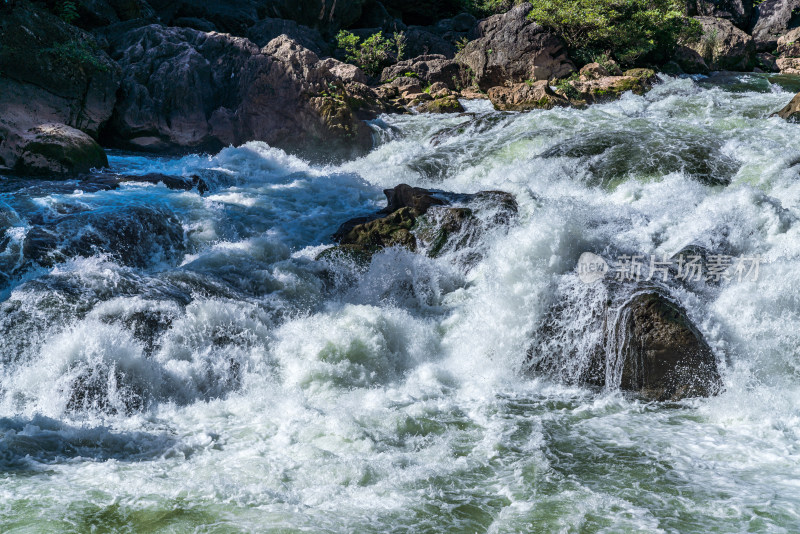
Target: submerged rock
511 48
181 183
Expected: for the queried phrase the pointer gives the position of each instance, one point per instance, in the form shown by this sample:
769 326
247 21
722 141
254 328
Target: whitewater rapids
182 363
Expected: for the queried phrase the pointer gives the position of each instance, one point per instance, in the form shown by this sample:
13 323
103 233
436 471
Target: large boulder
771 19
433 222
420 41
723 46
50 72
788 61
429 70
791 112
526 96
690 61
511 48
664 357
55 150
189 90
739 12
638 340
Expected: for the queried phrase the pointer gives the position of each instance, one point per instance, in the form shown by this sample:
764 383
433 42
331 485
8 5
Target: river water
173 362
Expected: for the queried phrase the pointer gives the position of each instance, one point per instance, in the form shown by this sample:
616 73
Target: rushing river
182 363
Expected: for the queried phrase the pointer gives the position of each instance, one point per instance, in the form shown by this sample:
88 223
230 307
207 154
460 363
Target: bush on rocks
632 31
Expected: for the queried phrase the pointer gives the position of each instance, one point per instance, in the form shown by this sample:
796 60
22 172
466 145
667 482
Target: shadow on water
29 445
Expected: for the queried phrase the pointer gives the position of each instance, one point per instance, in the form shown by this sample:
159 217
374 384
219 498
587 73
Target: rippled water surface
182 363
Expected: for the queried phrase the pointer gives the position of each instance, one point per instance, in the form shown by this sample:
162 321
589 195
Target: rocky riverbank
171 77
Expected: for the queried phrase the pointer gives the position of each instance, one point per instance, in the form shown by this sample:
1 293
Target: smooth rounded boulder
56 150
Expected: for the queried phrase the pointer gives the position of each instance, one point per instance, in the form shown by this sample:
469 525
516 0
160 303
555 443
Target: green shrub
76 54
630 31
485 8
67 10
374 53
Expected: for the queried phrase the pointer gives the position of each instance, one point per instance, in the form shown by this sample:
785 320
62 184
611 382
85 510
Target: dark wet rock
690 61
664 356
268 29
791 112
635 338
416 218
511 48
111 181
739 12
767 62
771 20
55 150
416 198
50 73
136 236
429 69
723 46
189 90
526 96
611 156
105 389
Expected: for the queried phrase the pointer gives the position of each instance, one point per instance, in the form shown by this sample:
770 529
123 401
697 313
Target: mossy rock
58 150
447 104
389 231
641 74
